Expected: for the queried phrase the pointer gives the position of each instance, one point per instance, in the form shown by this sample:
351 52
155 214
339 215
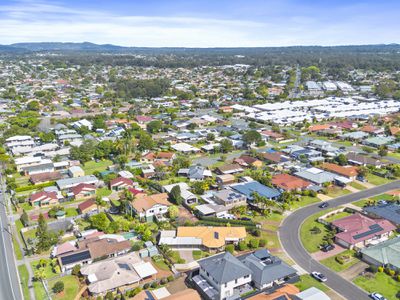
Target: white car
377 296
319 276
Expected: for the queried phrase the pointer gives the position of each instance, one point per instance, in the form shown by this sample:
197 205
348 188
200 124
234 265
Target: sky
201 23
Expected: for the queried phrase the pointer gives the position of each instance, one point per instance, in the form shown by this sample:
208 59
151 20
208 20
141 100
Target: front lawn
26 206
198 254
306 281
380 283
311 239
348 257
24 276
71 287
357 186
338 216
48 269
92 166
335 192
376 180
304 201
71 212
17 249
39 290
103 192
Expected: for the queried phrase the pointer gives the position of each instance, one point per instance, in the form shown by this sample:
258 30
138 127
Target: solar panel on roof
76 257
373 229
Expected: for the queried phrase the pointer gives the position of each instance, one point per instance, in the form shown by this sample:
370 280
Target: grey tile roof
390 212
224 267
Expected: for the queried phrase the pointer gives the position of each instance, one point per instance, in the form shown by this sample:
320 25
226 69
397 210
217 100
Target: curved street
289 235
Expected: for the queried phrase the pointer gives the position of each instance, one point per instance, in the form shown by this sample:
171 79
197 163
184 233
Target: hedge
225 221
34 187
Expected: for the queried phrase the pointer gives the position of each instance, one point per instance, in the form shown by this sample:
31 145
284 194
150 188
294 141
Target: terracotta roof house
346 171
318 127
84 191
87 206
43 199
271 135
148 207
121 183
248 161
202 237
275 157
371 129
288 182
394 130
358 231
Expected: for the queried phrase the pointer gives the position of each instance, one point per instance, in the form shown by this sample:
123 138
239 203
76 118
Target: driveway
354 270
320 255
186 255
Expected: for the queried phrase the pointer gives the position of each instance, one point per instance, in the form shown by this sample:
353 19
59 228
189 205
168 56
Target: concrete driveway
186 255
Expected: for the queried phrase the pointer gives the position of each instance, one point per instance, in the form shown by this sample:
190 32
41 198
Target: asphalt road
289 234
9 280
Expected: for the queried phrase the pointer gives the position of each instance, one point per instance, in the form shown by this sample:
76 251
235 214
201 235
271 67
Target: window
235 280
247 276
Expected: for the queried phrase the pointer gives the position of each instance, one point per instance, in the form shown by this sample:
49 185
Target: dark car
323 205
245 219
328 248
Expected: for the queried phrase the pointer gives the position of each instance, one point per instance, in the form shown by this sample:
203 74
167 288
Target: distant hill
91 47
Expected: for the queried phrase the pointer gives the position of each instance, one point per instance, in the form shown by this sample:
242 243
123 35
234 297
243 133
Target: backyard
92 166
71 287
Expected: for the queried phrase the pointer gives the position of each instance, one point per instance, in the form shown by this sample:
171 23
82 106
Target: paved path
354 270
289 234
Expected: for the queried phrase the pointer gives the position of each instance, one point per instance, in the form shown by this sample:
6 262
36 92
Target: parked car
245 219
377 296
319 276
328 248
361 178
382 202
323 205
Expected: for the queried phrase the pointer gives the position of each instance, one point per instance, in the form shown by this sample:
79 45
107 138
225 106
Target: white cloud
38 21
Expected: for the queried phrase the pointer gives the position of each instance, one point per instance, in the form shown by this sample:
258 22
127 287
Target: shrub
230 248
254 243
170 278
380 269
154 284
398 278
263 242
257 232
339 259
146 286
164 281
373 269
242 246
76 270
58 287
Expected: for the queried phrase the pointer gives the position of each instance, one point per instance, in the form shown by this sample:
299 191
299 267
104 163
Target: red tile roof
83 187
289 182
121 181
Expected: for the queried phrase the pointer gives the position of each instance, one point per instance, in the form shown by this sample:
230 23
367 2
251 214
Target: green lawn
91 166
160 264
306 281
394 155
197 254
26 206
19 225
103 192
48 269
39 290
312 241
358 186
386 197
338 216
71 212
24 277
337 267
17 249
380 283
175 257
335 192
376 180
305 200
71 287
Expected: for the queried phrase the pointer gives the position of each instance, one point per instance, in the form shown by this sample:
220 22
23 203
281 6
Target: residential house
379 141
349 172
76 171
45 177
358 231
222 276
121 183
185 148
222 180
117 272
275 157
289 183
43 198
363 160
384 254
248 161
389 211
84 191
229 169
202 237
148 207
316 176
68 183
87 207
229 198
187 196
249 188
270 135
39 168
195 173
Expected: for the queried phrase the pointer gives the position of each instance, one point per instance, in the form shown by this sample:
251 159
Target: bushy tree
58 287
